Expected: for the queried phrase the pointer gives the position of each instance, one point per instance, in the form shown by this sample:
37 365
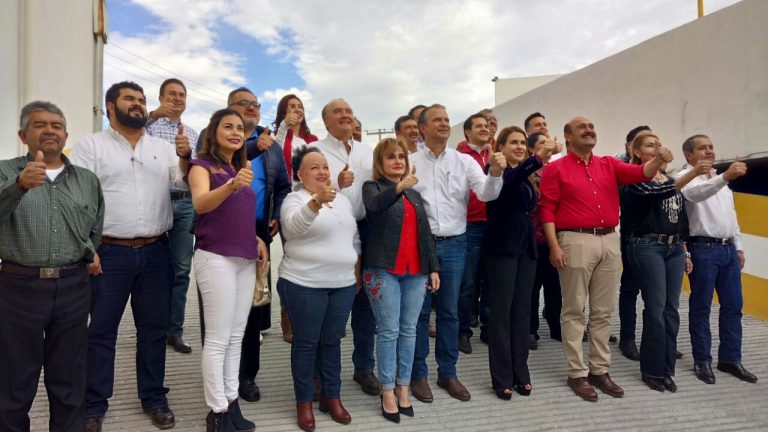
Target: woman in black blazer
510 253
400 261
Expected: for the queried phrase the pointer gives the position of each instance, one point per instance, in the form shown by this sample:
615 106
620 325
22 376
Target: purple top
230 229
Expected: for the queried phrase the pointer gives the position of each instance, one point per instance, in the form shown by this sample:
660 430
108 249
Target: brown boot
339 414
285 324
305 418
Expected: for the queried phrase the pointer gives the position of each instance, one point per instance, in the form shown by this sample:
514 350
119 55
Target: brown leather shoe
339 414
285 324
583 389
368 383
421 391
432 331
93 424
161 417
305 418
606 385
455 388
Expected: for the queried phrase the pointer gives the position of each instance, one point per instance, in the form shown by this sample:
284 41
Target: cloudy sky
383 57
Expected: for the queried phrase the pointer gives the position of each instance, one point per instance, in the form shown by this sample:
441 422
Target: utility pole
379 132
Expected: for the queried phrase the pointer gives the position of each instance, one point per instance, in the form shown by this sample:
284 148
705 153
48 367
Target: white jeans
226 286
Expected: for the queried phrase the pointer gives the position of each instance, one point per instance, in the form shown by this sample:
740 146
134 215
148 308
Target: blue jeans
396 302
628 292
659 268
472 279
144 275
363 325
452 254
715 267
319 317
182 248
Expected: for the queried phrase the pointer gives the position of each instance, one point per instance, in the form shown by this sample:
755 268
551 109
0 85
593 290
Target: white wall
47 52
506 89
709 76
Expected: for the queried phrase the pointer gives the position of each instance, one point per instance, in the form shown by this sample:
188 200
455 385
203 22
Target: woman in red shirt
400 262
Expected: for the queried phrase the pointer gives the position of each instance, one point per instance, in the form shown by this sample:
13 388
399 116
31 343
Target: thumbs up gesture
346 177
408 181
183 150
736 170
33 174
265 140
498 163
243 177
292 118
664 154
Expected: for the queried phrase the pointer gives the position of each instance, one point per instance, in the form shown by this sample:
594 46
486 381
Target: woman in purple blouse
226 250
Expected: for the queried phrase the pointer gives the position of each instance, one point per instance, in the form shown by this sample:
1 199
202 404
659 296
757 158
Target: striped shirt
166 129
52 225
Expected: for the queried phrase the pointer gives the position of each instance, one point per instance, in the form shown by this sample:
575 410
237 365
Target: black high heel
524 389
504 393
393 417
405 410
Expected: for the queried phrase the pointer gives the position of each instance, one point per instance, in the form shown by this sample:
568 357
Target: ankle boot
219 422
238 421
339 414
285 324
305 418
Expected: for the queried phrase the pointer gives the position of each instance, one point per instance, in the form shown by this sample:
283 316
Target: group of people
386 235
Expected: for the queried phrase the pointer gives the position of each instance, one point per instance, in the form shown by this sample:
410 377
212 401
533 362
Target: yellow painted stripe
751 211
755 291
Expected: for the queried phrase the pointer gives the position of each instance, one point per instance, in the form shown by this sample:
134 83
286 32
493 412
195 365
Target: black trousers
43 324
510 278
547 276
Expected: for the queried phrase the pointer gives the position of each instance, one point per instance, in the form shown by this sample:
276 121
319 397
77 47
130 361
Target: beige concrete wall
506 89
48 53
709 76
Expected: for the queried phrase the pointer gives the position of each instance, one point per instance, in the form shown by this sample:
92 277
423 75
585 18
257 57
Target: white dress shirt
444 184
710 207
134 180
360 161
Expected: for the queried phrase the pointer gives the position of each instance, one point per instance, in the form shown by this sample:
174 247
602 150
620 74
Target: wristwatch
688 255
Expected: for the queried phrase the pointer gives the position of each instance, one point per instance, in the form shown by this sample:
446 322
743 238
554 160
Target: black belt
134 242
42 272
176 195
669 239
598 231
710 240
440 238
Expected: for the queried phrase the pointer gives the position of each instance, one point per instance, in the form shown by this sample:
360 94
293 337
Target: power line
154 73
167 70
218 106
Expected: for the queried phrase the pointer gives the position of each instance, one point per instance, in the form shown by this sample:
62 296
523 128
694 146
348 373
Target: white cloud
386 57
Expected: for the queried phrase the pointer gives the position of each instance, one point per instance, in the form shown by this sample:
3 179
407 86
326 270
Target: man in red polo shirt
579 211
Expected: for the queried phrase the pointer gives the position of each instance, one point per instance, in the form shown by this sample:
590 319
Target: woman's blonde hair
636 143
383 148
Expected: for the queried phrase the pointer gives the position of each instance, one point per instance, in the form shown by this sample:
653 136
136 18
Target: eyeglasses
246 103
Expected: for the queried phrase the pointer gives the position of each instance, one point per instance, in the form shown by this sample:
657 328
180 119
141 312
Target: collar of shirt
579 159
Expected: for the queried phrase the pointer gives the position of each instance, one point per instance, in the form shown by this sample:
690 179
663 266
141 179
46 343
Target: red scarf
288 151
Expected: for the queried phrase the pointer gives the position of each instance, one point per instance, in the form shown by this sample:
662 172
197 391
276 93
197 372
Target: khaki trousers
592 270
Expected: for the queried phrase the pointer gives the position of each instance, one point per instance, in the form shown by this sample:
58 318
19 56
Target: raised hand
292 118
265 140
33 174
703 167
346 177
498 163
547 150
183 149
663 154
408 181
326 195
736 170
244 177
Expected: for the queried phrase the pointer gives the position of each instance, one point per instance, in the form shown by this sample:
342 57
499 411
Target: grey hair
324 112
39 106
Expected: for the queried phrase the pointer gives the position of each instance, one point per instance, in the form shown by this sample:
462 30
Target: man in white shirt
445 179
407 130
135 170
351 163
715 248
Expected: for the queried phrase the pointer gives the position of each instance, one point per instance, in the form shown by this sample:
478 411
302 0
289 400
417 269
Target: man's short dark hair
231 97
171 81
631 135
413 110
468 122
423 117
114 91
400 120
528 119
688 144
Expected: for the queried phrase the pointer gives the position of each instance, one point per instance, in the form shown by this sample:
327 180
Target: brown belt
134 242
41 272
598 231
